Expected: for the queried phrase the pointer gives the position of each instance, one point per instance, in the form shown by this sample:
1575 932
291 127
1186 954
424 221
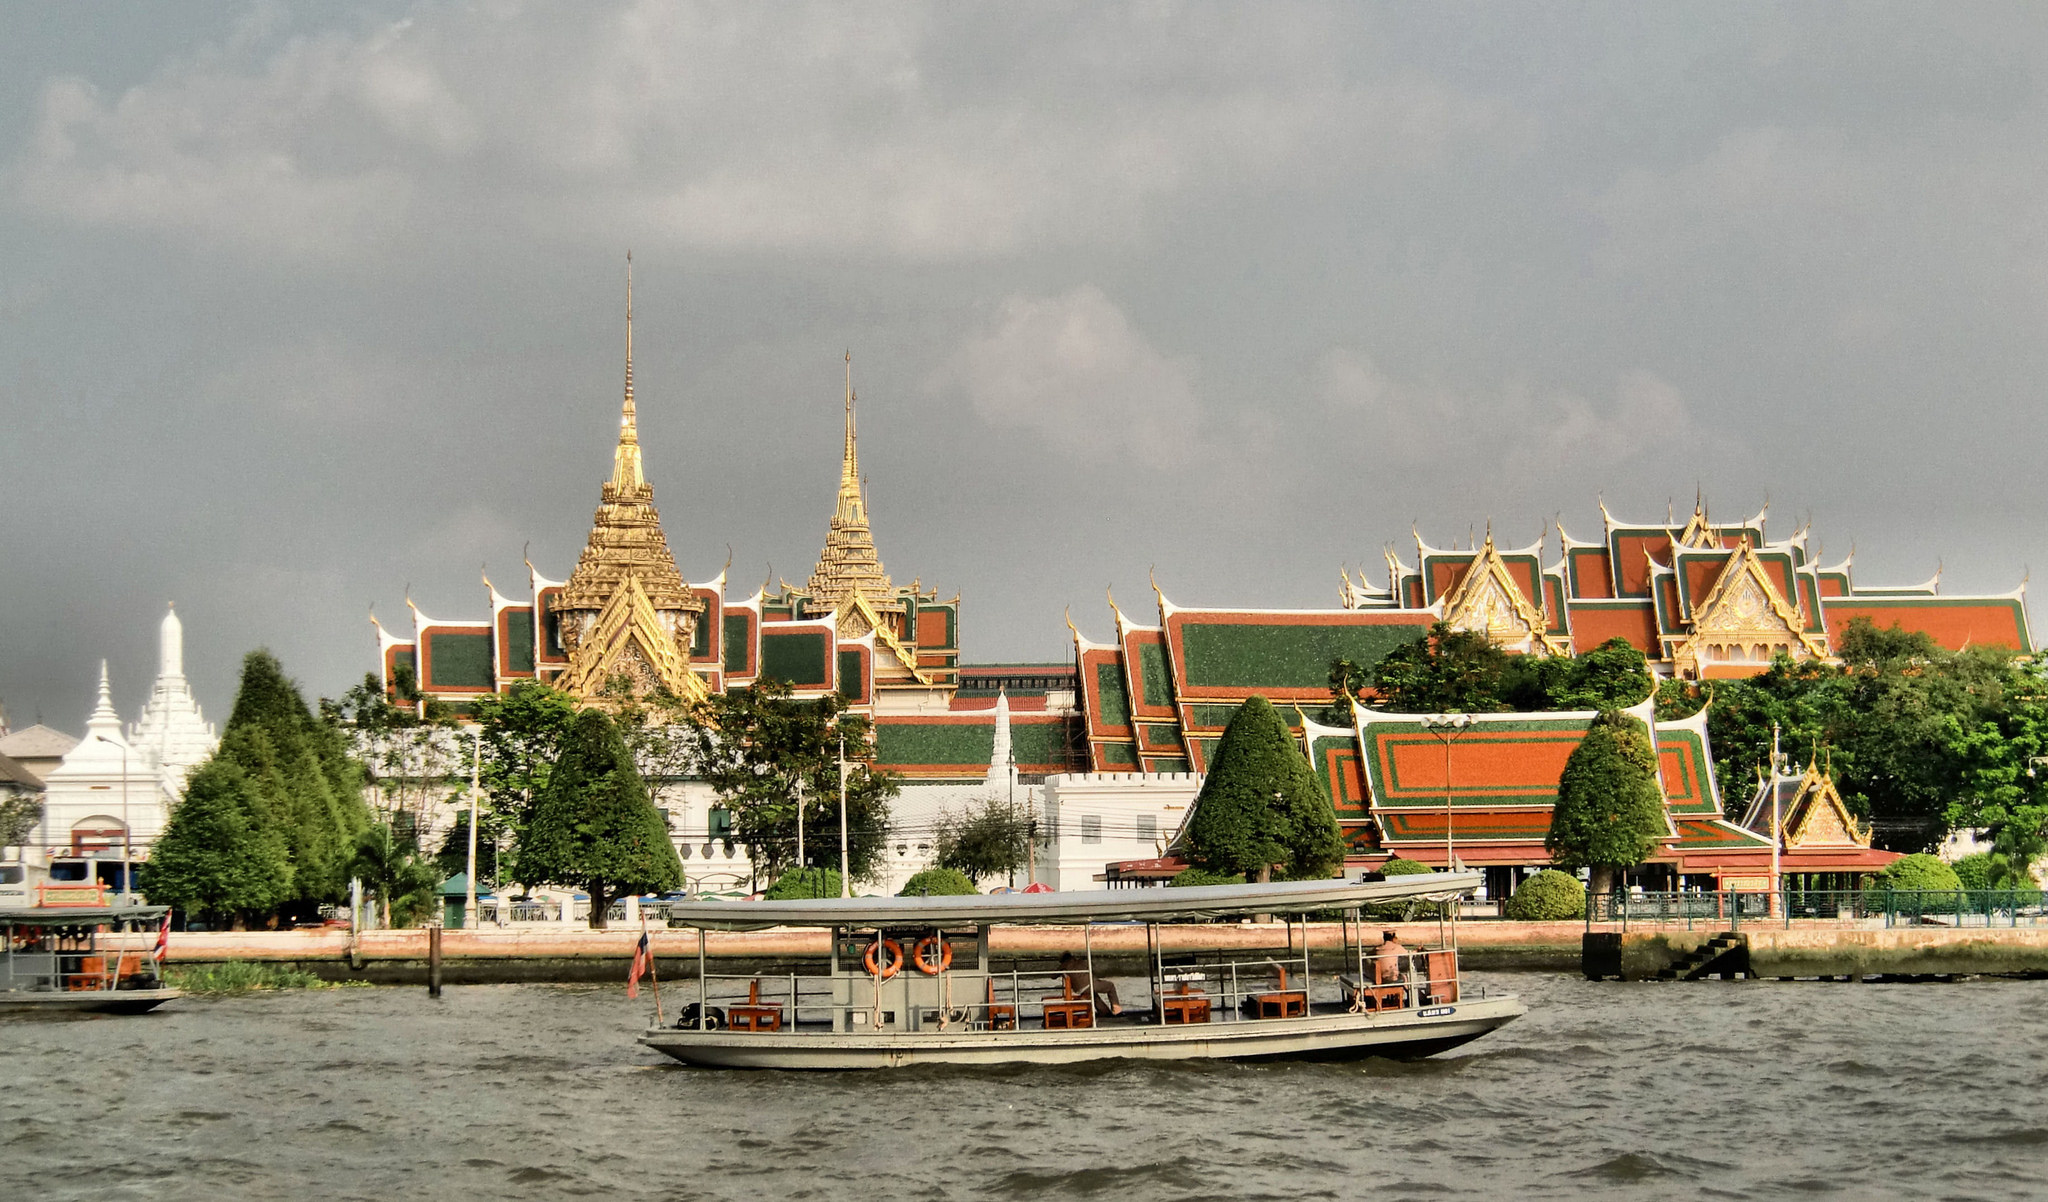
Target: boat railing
1255 988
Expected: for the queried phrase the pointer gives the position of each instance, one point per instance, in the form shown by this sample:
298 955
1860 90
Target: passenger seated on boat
1078 977
1386 962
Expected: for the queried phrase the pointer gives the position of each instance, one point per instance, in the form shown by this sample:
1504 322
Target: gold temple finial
626 469
849 563
1075 630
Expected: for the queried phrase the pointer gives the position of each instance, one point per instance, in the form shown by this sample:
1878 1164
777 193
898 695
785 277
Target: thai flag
163 941
642 955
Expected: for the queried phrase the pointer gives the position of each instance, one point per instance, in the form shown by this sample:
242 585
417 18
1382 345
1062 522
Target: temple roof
37 742
849 563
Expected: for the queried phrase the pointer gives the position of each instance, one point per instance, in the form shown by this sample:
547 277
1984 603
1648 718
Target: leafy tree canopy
761 749
1189 878
799 883
1461 671
523 731
19 815
219 857
990 838
1262 805
1917 871
593 827
394 874
1610 808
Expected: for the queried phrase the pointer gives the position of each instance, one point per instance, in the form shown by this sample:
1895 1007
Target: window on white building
1091 828
1148 828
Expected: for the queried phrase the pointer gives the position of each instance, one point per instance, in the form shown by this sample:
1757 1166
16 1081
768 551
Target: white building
1094 819
113 791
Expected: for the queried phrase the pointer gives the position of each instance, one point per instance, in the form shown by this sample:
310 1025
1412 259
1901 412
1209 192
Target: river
1708 1089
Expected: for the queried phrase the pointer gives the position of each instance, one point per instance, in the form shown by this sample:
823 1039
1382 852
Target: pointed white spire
103 721
1000 770
171 732
170 654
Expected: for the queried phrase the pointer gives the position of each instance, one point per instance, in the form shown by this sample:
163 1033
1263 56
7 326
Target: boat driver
1077 974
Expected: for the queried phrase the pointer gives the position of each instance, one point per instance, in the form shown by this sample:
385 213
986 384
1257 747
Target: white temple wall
1094 819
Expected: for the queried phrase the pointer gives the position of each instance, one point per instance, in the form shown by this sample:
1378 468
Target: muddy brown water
1737 1090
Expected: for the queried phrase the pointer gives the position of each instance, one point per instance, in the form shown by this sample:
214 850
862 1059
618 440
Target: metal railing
1730 910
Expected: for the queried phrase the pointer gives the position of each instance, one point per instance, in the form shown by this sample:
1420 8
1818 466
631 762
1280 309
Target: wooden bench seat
755 1015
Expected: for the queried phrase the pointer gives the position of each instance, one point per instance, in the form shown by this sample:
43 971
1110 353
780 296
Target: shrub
1974 870
1408 908
939 882
1188 878
1918 871
1549 896
801 883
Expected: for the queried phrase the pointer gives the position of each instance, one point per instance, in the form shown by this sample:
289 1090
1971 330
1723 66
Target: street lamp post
1012 769
845 852
1447 727
476 764
127 844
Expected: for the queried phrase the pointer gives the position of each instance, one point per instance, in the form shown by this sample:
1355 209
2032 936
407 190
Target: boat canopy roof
80 916
1048 909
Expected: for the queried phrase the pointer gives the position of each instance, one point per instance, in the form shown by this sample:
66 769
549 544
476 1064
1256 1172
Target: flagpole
653 977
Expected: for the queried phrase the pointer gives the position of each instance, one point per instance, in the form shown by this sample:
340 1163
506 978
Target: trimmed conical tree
299 767
1262 806
218 858
1610 807
593 826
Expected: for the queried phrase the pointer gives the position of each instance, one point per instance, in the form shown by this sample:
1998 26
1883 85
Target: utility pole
127 844
1012 769
1777 839
800 824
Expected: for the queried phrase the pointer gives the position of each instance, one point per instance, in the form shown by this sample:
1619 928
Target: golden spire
626 471
849 564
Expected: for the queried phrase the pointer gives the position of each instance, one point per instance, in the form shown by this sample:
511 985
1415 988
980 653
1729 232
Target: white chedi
172 733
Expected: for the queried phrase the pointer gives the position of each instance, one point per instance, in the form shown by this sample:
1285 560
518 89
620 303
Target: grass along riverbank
246 976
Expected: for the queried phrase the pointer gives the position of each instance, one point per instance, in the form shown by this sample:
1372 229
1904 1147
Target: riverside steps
549 952
1871 935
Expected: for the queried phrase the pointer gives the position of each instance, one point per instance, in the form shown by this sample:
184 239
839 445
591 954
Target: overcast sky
304 304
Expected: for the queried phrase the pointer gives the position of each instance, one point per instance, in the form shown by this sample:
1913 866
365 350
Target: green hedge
1549 896
939 882
1189 877
801 883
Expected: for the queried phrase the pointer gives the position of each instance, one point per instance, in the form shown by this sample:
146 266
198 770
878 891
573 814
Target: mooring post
434 960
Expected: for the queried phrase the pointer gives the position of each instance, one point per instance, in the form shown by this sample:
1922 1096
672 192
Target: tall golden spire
849 562
626 570
626 470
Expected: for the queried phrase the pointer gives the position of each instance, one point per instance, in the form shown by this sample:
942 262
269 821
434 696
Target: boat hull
85 1001
1405 1034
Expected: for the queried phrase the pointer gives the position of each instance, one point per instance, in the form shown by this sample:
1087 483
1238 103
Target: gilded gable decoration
1744 620
1488 600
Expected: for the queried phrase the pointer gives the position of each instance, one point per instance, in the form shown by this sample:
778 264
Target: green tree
1189 878
1610 809
523 731
1919 871
594 827
1262 805
299 767
990 838
389 864
408 747
453 855
218 858
761 749
1445 671
19 815
1612 676
939 882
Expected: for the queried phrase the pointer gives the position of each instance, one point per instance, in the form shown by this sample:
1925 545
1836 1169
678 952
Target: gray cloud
301 306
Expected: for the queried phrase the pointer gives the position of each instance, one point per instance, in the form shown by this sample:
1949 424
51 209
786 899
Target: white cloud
818 130
1072 369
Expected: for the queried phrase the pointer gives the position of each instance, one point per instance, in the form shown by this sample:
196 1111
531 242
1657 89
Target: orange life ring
884 958
921 956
